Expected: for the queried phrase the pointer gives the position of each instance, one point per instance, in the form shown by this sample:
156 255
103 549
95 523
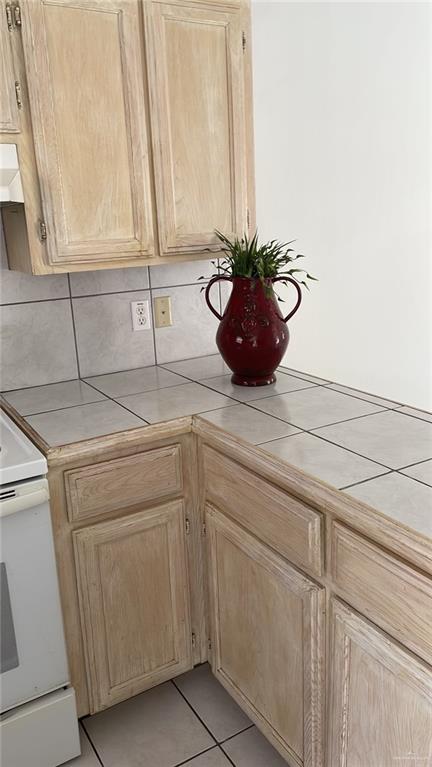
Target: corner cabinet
140 126
267 638
133 588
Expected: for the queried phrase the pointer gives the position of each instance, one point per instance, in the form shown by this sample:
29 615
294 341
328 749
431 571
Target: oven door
33 654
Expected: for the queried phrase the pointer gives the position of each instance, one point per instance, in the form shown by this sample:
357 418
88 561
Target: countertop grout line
415 479
313 434
363 481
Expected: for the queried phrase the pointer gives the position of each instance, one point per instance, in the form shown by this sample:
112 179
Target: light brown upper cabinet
140 131
267 628
85 73
10 87
196 64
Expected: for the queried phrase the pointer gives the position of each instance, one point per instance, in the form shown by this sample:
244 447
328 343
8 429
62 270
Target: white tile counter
374 449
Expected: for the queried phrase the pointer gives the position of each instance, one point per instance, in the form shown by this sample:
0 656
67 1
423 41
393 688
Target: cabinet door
199 108
133 586
381 699
85 74
267 639
9 119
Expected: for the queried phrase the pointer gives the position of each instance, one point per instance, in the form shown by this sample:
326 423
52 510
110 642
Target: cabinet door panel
198 104
85 79
381 700
134 605
267 639
9 118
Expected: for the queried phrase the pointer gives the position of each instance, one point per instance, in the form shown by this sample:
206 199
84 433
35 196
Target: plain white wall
343 133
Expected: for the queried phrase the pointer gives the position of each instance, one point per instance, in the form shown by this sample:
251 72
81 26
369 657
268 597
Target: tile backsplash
55 328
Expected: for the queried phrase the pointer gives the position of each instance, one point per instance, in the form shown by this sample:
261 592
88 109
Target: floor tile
284 383
363 395
423 414
311 408
174 402
135 381
213 758
421 471
199 367
249 424
219 712
305 376
41 399
323 460
390 438
88 757
74 424
251 749
399 497
154 729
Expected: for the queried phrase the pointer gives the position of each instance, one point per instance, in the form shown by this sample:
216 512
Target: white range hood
10 179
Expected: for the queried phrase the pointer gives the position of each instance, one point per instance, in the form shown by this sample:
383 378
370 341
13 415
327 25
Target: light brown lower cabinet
134 602
267 628
380 712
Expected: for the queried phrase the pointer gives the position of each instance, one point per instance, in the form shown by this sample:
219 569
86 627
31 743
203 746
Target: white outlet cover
141 317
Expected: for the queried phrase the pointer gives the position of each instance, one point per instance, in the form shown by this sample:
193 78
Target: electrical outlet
162 310
141 317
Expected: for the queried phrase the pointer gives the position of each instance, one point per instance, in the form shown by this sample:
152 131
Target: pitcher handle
207 293
299 295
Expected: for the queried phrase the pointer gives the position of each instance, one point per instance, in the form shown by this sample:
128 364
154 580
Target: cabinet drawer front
111 485
133 589
286 524
391 593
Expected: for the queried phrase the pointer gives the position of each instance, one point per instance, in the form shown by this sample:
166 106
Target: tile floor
190 721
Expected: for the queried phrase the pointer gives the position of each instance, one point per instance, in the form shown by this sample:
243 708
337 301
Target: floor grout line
191 758
173 682
91 742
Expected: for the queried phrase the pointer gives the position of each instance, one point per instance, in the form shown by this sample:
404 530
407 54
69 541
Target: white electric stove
38 721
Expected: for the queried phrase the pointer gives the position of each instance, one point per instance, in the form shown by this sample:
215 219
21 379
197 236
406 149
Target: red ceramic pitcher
252 336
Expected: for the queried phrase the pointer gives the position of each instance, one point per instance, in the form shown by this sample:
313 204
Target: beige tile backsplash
54 328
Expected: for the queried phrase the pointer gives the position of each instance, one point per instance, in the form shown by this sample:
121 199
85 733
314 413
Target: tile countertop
377 451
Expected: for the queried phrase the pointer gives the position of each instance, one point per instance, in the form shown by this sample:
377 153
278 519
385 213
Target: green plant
245 257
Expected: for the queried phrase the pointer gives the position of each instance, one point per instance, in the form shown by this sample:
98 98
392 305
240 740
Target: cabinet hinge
209 643
17 15
204 529
18 94
193 639
42 231
187 526
244 40
9 16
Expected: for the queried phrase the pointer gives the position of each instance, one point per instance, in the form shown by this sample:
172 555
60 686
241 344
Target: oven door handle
25 500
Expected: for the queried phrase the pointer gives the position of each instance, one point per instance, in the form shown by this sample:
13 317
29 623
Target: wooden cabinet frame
403 554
